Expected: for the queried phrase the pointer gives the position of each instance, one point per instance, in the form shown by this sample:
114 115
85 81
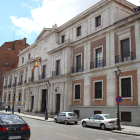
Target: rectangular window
98 21
98 90
44 71
9 98
10 81
99 61
6 63
77 112
79 31
5 98
22 59
125 50
19 98
97 112
126 116
62 38
29 56
77 91
126 87
78 63
58 67
20 78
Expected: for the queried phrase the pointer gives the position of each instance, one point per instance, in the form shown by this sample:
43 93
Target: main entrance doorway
44 93
32 103
57 103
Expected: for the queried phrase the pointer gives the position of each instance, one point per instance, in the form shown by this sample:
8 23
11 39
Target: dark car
13 127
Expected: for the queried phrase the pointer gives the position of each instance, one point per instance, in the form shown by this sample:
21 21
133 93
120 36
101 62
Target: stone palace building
77 63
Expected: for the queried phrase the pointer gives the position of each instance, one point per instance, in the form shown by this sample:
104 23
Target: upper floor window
44 71
126 87
5 98
21 78
62 38
99 62
22 59
98 90
77 91
58 67
19 98
98 21
6 63
9 98
29 56
79 31
20 42
125 50
78 63
6 83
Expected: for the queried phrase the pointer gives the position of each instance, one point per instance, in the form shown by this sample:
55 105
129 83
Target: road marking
67 136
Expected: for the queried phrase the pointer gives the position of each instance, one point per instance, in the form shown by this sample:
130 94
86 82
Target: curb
126 132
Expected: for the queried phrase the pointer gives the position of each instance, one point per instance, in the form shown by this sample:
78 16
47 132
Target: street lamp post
46 112
13 100
118 71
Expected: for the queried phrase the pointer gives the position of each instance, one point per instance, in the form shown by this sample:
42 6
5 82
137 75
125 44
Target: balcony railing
20 83
124 57
77 69
31 79
9 86
25 81
97 64
56 73
43 76
5 87
14 84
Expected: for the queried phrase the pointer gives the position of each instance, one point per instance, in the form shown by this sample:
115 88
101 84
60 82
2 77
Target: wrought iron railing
31 79
14 84
5 87
9 86
97 64
124 57
56 73
25 81
43 76
77 69
20 83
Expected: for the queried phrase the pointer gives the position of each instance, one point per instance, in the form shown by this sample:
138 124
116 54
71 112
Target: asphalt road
41 130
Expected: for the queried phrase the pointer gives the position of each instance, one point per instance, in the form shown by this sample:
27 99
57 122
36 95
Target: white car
100 120
66 117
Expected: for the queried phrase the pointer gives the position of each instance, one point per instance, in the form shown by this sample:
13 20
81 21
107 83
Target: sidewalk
31 115
129 130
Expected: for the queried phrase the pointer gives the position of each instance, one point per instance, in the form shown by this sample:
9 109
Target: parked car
100 120
13 127
66 117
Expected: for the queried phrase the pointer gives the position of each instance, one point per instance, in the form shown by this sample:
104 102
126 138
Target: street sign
118 99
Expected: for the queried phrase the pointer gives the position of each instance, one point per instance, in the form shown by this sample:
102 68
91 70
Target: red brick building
9 57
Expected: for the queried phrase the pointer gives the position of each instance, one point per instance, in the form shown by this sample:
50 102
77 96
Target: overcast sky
27 18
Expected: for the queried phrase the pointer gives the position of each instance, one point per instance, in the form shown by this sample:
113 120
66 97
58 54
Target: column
51 97
22 102
87 87
62 97
27 100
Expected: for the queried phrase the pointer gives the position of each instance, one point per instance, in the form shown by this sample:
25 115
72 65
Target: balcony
5 87
14 84
20 83
97 64
124 57
77 69
31 79
9 86
56 73
43 76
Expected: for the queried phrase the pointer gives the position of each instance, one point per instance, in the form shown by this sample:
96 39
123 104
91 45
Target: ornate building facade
77 63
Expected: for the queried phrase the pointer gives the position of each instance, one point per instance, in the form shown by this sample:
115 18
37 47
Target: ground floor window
126 116
97 112
77 112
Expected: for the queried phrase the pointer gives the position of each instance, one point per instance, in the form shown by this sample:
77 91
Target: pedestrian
19 107
6 108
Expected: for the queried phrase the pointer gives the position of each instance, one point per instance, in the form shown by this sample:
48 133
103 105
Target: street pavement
129 130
